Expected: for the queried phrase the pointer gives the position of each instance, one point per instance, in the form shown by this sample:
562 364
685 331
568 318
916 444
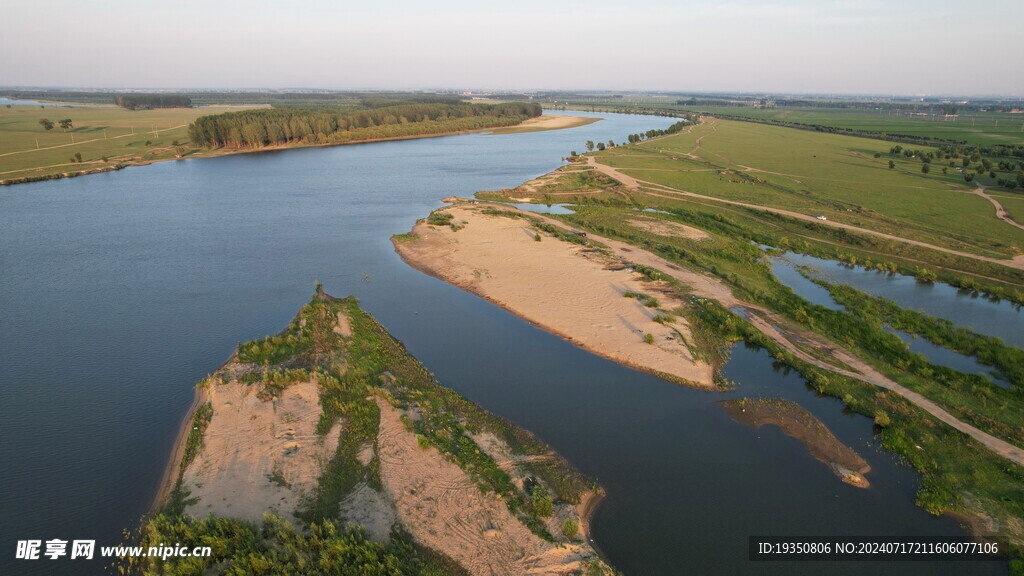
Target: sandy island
568 289
263 454
798 423
546 122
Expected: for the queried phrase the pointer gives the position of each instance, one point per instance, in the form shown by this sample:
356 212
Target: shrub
570 528
649 338
422 441
882 419
541 503
439 219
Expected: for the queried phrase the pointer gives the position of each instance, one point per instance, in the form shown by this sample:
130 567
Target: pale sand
442 508
546 122
557 286
670 229
248 441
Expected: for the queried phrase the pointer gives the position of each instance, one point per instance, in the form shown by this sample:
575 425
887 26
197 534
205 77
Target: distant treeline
136 101
269 127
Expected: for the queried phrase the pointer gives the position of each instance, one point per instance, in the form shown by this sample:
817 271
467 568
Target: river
121 290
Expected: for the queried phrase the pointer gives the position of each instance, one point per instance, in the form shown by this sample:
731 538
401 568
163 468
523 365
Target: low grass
27 150
978 128
1014 206
831 175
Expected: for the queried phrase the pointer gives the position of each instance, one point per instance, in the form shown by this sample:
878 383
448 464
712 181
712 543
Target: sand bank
546 122
565 288
258 456
443 508
800 424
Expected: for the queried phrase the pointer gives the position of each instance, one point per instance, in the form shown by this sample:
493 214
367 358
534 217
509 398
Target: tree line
269 127
136 101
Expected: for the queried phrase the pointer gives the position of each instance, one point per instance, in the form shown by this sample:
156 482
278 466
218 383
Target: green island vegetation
353 371
270 127
838 177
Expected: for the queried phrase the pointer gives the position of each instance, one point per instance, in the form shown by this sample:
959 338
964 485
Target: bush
439 219
882 419
649 338
570 528
541 503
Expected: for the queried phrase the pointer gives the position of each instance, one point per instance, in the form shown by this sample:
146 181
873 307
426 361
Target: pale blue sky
850 46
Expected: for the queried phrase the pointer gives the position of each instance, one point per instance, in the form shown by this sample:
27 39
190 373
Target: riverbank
173 471
162 145
572 290
331 420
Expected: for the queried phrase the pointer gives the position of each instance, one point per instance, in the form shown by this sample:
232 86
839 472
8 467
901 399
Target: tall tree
46 124
66 124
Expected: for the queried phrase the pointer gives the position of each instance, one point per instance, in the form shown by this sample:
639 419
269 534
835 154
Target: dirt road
636 184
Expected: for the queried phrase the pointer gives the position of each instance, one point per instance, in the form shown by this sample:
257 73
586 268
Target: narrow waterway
787 270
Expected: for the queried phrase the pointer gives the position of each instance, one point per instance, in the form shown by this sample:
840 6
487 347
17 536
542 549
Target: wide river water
119 291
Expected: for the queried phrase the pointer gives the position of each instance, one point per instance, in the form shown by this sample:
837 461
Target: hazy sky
851 46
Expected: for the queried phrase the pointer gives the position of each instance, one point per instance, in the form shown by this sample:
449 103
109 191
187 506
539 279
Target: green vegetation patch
276 127
276 547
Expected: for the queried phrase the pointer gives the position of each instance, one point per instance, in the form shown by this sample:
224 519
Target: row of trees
634 138
269 127
137 101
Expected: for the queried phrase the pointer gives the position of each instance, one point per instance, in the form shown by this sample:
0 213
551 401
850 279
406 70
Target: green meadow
103 136
830 175
978 128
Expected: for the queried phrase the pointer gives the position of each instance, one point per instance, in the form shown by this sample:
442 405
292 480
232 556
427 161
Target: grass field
116 134
973 127
977 128
1014 205
830 175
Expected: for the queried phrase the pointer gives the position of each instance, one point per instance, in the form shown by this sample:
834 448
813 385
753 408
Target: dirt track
636 184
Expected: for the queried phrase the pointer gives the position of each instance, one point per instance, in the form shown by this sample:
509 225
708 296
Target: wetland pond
119 291
999 319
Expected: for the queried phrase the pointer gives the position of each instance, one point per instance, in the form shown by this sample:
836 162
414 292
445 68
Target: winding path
1000 211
